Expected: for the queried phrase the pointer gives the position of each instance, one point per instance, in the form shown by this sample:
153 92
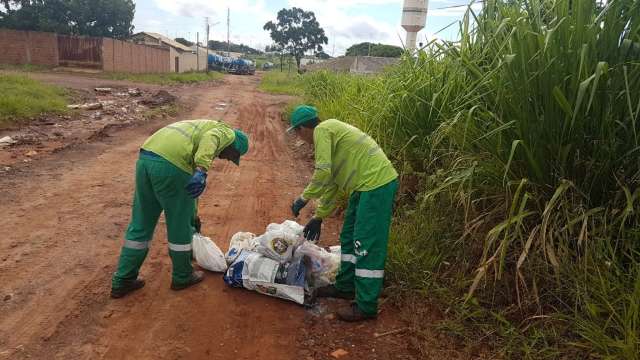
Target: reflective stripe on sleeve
136 245
348 258
178 247
181 131
323 166
374 274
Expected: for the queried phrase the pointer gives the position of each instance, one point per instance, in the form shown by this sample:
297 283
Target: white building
182 58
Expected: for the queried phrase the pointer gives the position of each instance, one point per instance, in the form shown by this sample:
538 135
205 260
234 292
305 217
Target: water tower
414 19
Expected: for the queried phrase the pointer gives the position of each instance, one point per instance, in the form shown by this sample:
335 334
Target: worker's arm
210 146
327 202
321 181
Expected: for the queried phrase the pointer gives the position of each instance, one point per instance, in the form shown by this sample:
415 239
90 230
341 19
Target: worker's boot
196 277
333 292
127 287
352 313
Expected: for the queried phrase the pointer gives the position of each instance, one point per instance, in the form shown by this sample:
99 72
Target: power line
459 6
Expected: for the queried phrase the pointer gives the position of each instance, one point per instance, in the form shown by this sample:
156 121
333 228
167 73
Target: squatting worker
171 173
350 161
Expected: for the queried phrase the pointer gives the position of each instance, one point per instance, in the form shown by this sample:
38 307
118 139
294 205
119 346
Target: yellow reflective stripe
179 247
136 245
181 131
372 274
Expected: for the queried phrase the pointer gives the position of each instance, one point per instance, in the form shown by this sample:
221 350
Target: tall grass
519 151
277 82
22 98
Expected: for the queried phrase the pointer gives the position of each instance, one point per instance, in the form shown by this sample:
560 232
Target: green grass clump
276 82
518 148
22 98
167 78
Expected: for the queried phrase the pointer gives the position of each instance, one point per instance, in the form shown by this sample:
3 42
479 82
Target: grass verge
167 78
22 98
276 82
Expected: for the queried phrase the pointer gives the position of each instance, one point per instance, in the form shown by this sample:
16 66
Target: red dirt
63 217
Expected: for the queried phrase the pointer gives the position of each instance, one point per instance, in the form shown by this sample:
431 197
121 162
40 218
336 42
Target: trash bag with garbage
280 263
207 254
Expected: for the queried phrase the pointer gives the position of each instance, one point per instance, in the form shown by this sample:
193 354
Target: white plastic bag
324 265
239 241
280 241
207 254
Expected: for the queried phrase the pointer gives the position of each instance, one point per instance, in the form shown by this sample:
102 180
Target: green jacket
347 159
191 143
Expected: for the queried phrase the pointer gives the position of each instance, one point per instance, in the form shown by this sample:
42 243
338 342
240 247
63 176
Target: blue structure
231 65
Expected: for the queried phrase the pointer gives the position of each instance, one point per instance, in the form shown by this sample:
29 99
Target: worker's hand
312 230
298 205
198 182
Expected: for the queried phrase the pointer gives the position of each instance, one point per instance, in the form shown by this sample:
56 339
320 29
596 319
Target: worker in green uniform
350 161
171 173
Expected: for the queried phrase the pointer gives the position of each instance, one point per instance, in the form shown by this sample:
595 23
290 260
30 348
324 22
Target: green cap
241 144
301 115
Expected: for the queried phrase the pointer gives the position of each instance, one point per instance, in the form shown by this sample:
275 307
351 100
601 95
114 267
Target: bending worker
350 161
171 173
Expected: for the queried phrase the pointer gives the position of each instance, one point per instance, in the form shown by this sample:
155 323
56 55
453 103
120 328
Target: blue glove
196 185
312 230
297 205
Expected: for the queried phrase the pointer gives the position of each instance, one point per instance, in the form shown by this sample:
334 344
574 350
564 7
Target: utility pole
228 25
207 43
198 52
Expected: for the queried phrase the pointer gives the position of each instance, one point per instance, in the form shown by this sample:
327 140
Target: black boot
126 288
333 292
352 313
196 277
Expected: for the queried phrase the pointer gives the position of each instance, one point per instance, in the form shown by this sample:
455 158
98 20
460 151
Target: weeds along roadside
519 154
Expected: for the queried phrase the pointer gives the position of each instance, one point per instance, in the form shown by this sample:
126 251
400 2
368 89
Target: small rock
330 317
135 92
91 106
103 90
339 353
7 297
31 153
108 315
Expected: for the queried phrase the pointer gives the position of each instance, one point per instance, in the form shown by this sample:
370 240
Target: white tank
414 19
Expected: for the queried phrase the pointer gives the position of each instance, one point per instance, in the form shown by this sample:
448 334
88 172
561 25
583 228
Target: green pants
160 186
363 242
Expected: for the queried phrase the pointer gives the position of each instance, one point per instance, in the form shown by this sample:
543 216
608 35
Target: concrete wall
28 47
122 56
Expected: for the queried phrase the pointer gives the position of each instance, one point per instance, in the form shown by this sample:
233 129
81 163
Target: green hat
241 144
301 115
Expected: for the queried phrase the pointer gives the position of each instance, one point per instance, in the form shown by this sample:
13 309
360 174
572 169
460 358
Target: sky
346 22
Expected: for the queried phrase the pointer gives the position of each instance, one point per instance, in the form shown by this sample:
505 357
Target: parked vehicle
231 65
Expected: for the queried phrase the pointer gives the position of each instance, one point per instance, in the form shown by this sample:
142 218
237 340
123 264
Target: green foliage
237 48
518 147
296 32
277 82
22 98
112 18
184 42
167 78
371 49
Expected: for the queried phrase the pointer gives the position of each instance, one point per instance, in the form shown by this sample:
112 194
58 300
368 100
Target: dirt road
62 224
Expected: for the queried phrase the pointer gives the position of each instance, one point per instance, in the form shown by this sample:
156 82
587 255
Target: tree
296 32
110 18
238 48
184 42
370 49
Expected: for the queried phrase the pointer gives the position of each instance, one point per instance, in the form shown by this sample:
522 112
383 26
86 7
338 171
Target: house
182 58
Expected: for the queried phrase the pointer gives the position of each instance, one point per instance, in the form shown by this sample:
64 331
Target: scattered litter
240 241
253 271
134 92
6 141
207 254
107 102
222 104
87 106
160 98
339 353
103 90
220 109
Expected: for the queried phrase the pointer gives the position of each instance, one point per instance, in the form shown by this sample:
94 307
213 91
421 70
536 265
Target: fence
49 49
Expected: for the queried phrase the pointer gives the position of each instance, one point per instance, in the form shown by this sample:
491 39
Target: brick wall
28 47
121 56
